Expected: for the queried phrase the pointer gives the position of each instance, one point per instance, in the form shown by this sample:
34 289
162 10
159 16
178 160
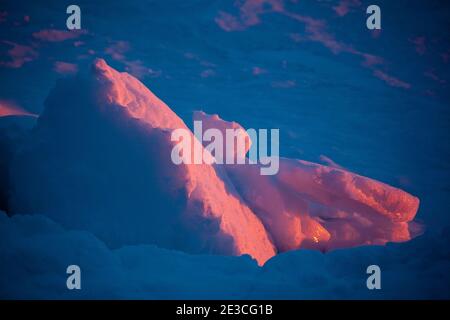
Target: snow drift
98 159
35 252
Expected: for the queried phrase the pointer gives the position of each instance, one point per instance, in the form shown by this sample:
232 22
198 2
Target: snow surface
36 251
374 103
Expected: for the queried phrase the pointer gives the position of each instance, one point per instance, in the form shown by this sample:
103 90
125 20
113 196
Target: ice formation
99 160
